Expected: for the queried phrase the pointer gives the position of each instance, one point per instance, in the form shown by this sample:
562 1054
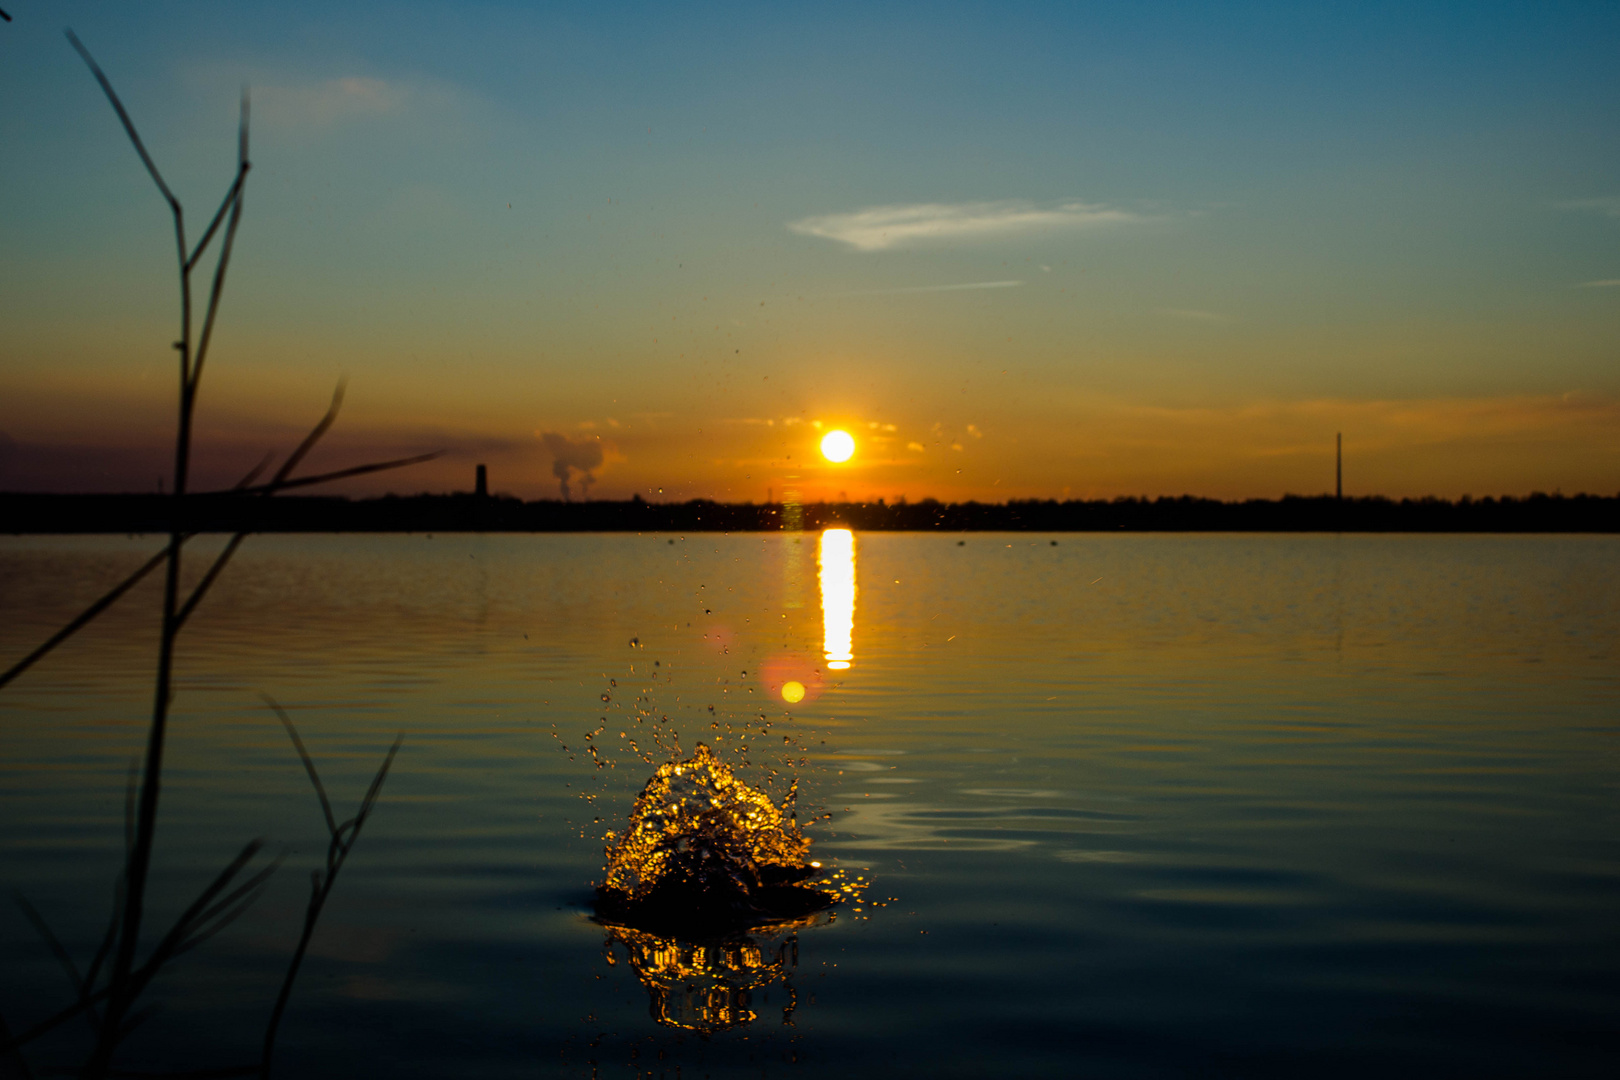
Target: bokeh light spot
793 692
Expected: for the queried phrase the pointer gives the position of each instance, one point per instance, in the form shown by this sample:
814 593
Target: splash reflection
706 889
709 986
837 559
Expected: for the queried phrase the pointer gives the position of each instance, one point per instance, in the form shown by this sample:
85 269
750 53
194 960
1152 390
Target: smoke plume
568 457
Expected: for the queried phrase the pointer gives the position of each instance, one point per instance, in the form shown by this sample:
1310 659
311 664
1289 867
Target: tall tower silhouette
1338 466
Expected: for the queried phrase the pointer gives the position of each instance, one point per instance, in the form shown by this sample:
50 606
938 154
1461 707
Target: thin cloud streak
879 227
1606 283
934 288
293 102
1608 206
1195 315
330 102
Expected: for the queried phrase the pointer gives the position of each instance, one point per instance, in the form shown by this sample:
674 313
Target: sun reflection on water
837 561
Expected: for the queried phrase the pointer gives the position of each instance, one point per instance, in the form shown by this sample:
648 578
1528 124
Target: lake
1123 804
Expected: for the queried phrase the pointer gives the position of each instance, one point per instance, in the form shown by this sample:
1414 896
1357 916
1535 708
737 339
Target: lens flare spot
837 446
793 692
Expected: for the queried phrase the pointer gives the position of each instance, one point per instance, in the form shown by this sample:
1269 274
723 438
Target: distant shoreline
34 514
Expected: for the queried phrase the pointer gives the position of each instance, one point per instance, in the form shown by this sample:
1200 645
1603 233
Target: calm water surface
1134 805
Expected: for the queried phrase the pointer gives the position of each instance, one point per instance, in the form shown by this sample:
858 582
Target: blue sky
1204 238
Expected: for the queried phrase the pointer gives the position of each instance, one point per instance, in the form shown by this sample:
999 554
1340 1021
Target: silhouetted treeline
20 513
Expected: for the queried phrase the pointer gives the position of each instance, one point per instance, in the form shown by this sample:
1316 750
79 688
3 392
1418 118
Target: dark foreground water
1131 805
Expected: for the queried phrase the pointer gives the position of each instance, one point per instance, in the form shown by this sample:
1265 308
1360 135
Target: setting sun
838 446
1151 612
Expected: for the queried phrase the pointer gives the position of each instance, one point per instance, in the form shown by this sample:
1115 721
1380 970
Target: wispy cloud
332 101
1194 315
878 227
965 286
1608 206
1606 283
297 102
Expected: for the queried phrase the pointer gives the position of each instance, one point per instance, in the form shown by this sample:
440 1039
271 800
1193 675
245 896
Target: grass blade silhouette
56 947
129 126
309 763
320 429
208 579
213 226
12 1063
340 474
227 245
341 840
84 619
292 461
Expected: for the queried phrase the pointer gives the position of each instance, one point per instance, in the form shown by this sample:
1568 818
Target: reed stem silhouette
109 1006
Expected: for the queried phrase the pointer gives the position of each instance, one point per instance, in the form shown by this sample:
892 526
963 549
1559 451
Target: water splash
705 854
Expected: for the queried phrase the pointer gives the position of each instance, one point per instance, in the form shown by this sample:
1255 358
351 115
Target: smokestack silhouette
481 486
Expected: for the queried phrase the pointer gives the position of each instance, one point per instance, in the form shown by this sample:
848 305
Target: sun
837 446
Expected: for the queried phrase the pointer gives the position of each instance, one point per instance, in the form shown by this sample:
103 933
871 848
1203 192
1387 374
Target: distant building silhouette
481 485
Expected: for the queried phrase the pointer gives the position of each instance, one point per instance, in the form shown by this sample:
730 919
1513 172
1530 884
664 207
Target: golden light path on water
837 561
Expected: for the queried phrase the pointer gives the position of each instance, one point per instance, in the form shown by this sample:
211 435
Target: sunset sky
1025 250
